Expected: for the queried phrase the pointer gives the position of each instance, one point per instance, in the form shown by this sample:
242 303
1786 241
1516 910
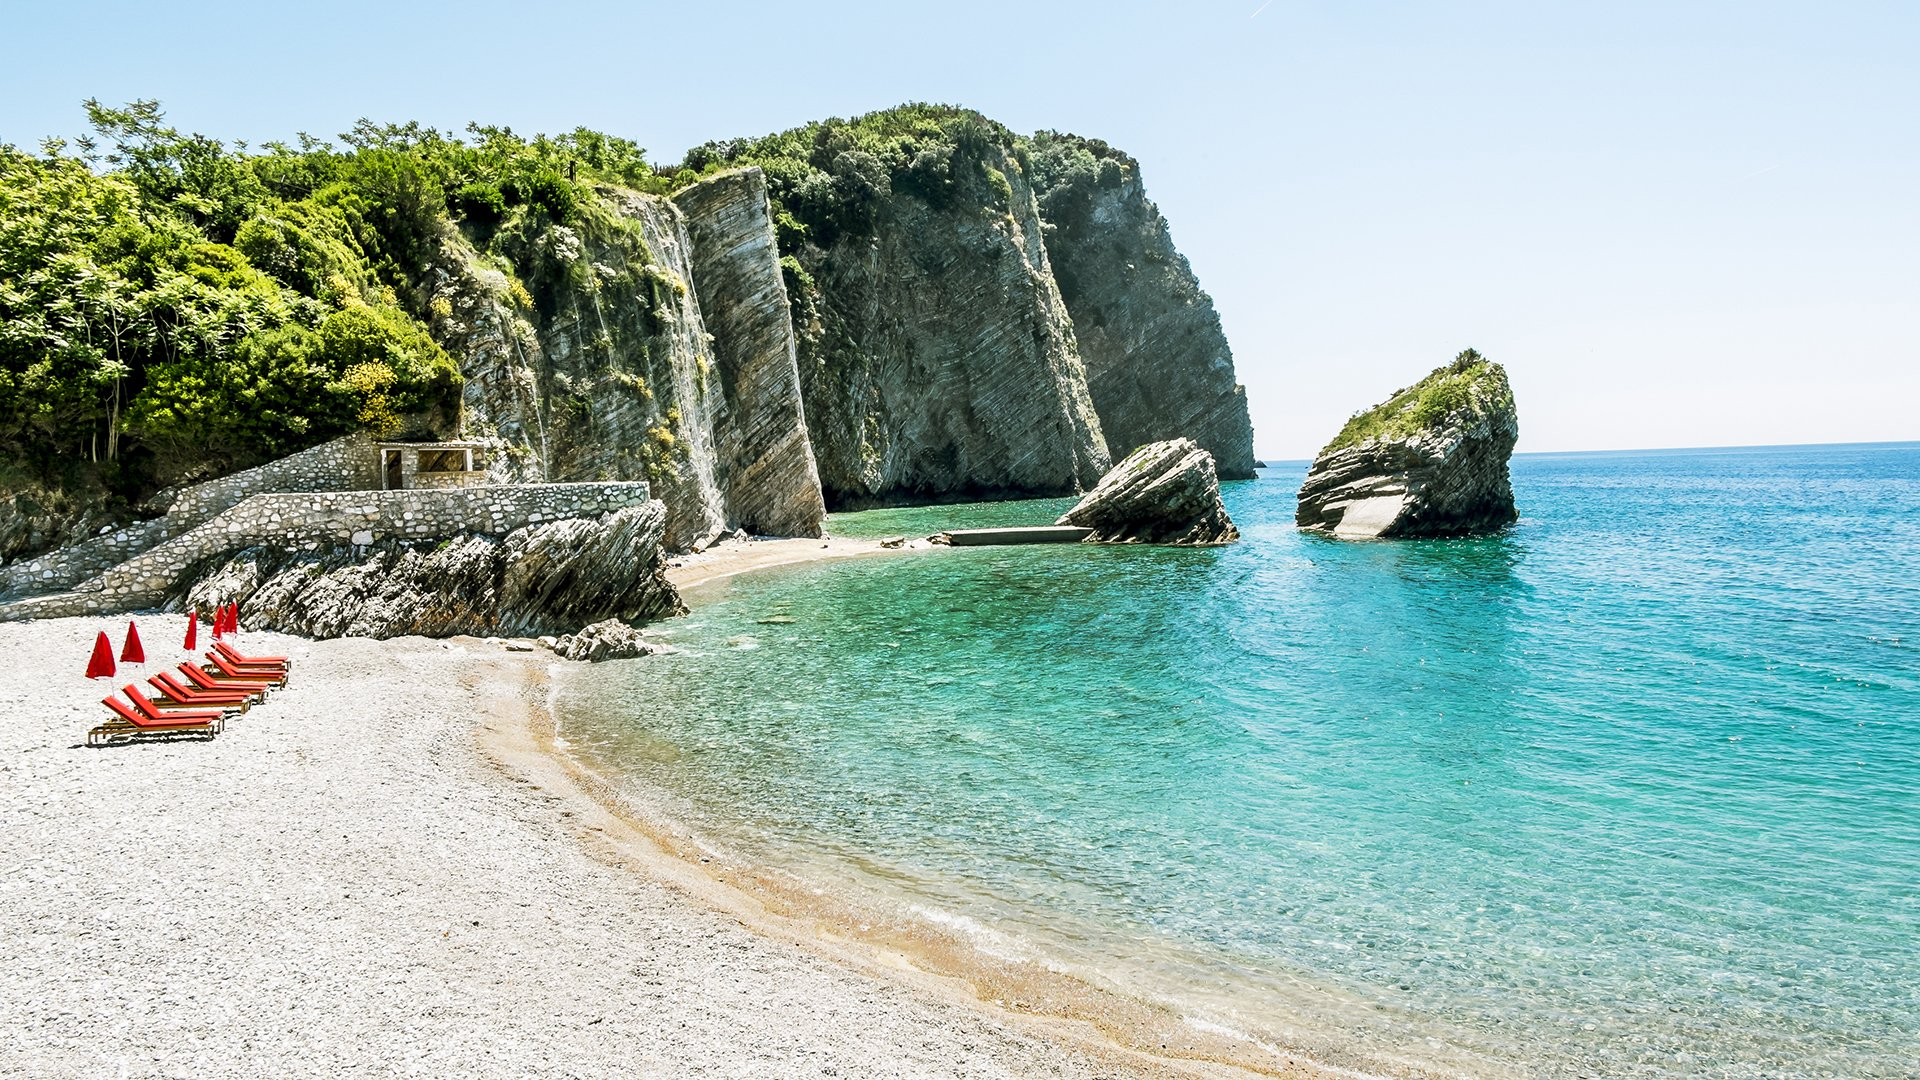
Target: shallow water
1633 789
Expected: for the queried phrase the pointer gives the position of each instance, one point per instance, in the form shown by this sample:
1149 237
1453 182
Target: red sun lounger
223 666
204 681
126 725
186 697
242 660
217 690
161 711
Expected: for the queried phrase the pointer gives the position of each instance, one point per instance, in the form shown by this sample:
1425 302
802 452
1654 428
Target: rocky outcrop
1429 461
545 578
936 356
1158 364
1163 493
771 484
609 639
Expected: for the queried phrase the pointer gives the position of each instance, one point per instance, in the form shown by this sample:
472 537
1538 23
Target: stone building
409 465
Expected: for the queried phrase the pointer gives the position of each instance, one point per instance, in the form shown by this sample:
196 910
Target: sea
1630 789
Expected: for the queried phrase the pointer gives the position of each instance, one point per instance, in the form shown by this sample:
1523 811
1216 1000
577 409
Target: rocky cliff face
1163 493
766 457
1429 461
550 578
936 357
1158 364
592 362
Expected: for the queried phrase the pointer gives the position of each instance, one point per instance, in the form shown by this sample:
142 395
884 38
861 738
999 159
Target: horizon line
1270 461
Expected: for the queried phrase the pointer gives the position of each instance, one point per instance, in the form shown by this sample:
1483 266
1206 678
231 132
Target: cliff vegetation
1470 383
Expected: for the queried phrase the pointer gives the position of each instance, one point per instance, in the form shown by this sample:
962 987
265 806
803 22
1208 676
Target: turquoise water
1631 790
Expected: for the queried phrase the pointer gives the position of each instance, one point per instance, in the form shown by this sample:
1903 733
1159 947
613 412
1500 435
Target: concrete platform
1023 534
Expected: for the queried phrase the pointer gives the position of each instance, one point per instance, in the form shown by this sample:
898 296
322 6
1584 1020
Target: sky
1676 224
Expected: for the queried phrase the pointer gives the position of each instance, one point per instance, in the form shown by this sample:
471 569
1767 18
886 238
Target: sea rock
1158 364
540 579
609 639
1429 461
1163 493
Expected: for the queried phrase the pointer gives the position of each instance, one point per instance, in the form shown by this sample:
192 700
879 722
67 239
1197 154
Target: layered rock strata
771 484
308 522
937 359
544 578
1158 363
1432 460
1163 493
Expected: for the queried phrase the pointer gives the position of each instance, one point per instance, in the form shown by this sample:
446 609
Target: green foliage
1068 172
480 201
548 192
370 368
1470 383
830 178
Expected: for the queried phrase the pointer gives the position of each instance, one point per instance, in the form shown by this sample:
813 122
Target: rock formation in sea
1163 493
1429 461
936 356
554 577
1158 364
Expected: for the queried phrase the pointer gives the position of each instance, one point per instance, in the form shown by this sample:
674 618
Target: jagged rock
1163 493
538 579
609 639
1429 461
1158 364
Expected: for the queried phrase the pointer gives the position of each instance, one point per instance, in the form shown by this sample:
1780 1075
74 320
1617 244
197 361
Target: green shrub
480 202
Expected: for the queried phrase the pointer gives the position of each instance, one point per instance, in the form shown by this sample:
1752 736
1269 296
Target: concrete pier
1023 534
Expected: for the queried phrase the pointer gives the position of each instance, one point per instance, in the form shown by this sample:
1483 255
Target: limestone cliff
1429 461
1158 364
936 357
591 361
766 457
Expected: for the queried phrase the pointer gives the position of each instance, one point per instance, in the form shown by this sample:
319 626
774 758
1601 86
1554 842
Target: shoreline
526 747
347 882
1066 1008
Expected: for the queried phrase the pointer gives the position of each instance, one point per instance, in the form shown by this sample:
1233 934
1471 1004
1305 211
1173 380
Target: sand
380 872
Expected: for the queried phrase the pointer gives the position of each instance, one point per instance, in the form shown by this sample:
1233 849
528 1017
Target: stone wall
345 464
307 521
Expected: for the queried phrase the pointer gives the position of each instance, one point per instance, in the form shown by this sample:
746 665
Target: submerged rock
1163 493
543 578
609 639
1429 461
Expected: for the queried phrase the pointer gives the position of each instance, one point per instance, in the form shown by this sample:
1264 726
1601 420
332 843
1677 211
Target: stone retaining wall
305 521
345 464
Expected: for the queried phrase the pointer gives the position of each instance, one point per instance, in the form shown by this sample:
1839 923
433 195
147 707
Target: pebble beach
376 874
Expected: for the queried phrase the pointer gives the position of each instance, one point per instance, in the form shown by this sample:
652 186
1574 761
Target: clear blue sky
1677 224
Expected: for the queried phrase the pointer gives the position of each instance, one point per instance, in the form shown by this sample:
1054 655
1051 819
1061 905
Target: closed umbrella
101 666
132 652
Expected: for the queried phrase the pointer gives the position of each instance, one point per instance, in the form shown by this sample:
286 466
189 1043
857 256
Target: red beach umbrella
132 652
233 617
193 631
101 666
219 622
